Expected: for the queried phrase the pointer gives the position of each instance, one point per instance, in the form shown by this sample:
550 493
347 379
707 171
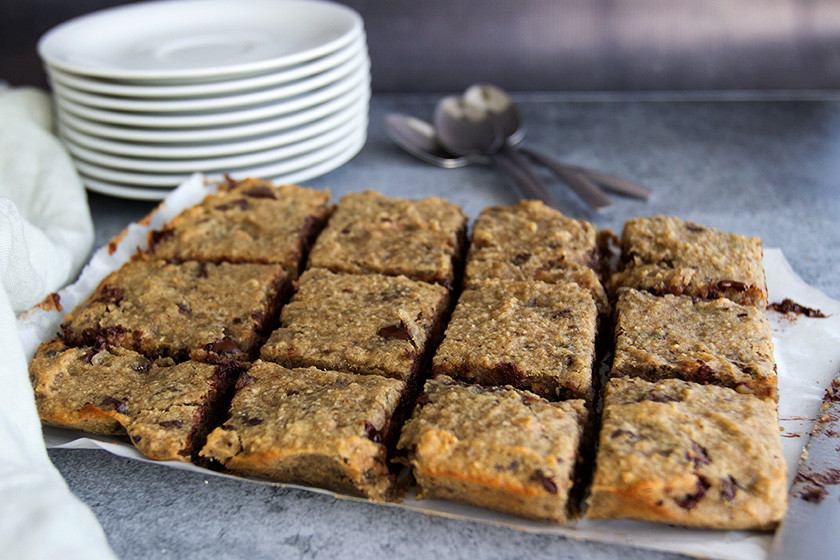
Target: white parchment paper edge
807 353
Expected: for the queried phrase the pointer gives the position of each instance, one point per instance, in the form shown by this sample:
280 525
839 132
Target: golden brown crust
530 241
667 255
251 221
499 448
531 335
718 342
368 324
372 233
164 309
688 454
310 426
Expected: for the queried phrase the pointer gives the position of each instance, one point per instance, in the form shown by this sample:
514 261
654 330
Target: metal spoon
463 129
503 113
499 103
418 138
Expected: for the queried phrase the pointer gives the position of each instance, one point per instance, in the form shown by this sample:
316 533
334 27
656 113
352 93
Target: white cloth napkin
46 234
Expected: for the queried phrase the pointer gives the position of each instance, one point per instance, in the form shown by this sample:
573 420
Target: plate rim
224 132
170 180
221 118
170 150
208 88
243 98
45 45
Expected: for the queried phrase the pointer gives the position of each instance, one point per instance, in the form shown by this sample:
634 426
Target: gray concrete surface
764 168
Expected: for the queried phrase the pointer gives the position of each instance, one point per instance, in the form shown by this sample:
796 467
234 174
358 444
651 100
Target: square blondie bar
532 335
667 255
688 454
717 342
495 447
166 309
308 426
251 221
372 233
360 323
531 241
166 409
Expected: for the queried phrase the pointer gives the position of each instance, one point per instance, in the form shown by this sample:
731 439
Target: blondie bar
495 447
717 342
166 309
688 454
308 426
532 335
165 408
250 221
371 233
666 255
530 241
367 324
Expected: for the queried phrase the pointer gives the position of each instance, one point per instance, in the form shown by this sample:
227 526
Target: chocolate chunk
546 481
156 238
398 331
171 424
253 421
225 345
372 432
728 487
116 404
260 191
698 455
508 374
87 357
658 396
695 228
521 259
110 294
184 308
787 305
690 500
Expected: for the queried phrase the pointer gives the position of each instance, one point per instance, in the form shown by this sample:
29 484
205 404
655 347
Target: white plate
220 87
215 149
243 99
193 39
217 118
297 176
219 163
169 180
282 123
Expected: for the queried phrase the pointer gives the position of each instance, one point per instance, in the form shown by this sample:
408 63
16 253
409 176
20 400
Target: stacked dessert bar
269 333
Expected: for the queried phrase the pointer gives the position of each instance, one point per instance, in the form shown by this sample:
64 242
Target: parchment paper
807 353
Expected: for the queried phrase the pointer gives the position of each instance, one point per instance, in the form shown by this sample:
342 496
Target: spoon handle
523 176
609 182
591 193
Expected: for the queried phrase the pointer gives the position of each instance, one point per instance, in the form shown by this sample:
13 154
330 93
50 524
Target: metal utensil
464 129
581 180
810 528
504 115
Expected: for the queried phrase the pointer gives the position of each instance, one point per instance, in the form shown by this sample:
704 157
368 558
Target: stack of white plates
147 94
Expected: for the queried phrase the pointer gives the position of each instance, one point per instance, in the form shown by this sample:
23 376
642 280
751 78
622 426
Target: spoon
465 130
506 117
418 138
